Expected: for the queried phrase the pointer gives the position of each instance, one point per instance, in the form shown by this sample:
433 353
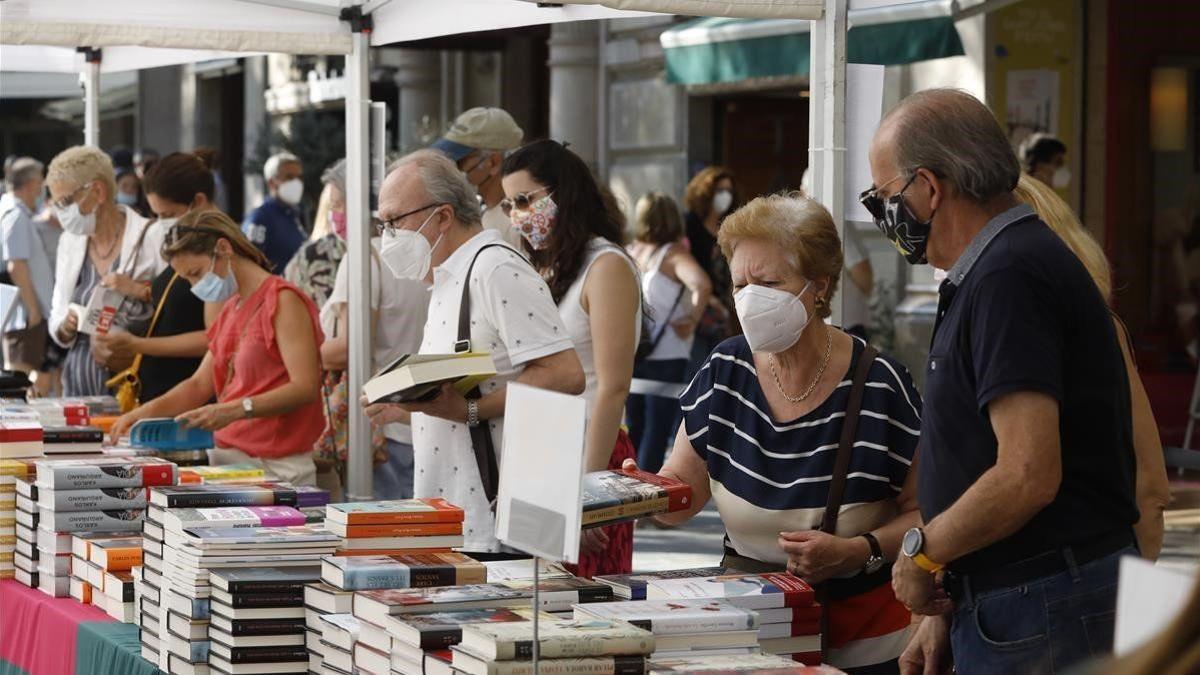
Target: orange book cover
401 530
394 551
395 512
119 559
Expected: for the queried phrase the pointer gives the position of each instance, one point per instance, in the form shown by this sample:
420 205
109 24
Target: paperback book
217 495
178 520
128 520
439 630
674 617
265 579
416 377
95 499
80 474
376 605
402 571
564 638
620 495
633 586
394 512
751 591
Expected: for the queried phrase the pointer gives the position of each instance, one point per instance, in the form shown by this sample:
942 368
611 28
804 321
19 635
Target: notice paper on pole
539 500
864 108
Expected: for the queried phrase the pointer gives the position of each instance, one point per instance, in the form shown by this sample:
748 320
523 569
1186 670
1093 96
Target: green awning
712 50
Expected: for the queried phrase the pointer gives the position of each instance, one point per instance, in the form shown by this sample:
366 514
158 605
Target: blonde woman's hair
198 232
800 227
321 220
657 219
82 164
1058 215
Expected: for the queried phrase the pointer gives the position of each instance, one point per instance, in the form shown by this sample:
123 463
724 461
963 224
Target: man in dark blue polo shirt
1026 466
275 227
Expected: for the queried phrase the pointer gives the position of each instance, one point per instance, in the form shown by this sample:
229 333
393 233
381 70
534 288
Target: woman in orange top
267 389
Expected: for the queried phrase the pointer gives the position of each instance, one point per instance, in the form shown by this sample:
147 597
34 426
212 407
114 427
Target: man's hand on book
448 405
385 413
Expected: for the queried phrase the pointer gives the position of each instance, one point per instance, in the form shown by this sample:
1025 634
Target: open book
418 377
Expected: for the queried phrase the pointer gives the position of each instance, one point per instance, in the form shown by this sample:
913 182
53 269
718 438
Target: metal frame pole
827 117
358 459
91 96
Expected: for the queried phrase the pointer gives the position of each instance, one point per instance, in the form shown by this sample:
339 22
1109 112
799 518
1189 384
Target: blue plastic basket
166 434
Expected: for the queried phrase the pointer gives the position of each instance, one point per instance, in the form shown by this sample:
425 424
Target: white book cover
674 617
547 430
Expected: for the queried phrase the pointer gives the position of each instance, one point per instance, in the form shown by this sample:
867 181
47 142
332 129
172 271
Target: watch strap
924 562
876 549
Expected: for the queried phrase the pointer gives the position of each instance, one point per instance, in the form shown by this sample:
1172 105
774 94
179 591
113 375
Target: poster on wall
1033 102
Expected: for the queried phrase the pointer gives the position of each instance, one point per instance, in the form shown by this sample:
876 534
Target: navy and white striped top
769 476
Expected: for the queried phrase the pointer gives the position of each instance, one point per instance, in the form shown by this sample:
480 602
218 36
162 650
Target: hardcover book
269 654
288 640
218 608
416 377
328 599
559 595
633 586
265 579
376 605
80 474
751 591
394 530
402 571
360 546
247 537
620 495
96 499
116 555
238 628
439 630
178 520
129 520
258 600
564 638
216 495
394 512
674 617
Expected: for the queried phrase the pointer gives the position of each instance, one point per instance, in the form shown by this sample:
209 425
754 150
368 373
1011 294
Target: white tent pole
358 214
91 97
827 116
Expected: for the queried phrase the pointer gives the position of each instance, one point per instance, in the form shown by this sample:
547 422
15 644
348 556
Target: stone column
419 78
574 69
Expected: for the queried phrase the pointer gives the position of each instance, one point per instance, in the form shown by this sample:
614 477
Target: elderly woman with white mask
804 436
105 248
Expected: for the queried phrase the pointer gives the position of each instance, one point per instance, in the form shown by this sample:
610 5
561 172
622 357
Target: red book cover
679 494
20 432
344 553
403 530
796 591
77 410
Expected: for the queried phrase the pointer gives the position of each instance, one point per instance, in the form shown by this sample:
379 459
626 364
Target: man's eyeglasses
873 203
389 225
520 201
70 199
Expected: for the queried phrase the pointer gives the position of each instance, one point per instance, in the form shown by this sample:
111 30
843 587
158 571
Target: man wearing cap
476 142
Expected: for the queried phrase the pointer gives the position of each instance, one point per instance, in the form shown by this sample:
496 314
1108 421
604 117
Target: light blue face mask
127 199
212 288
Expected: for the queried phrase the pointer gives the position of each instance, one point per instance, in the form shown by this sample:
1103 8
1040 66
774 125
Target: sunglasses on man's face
873 203
519 201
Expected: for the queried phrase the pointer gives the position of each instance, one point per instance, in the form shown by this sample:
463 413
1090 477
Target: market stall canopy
42 59
745 9
404 20
713 50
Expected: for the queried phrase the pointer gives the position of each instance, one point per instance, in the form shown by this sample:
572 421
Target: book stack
21 438
751 664
322 600
175 609
99 495
422 642
257 622
790 619
102 572
564 645
621 495
339 635
72 440
224 475
403 570
633 586
18 546
684 627
396 526
59 413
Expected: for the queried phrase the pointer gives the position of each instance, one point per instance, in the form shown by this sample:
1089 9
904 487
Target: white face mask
722 200
76 222
407 253
1061 178
292 191
772 319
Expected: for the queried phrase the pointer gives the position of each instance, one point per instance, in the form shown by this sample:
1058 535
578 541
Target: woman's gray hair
954 135
444 184
335 175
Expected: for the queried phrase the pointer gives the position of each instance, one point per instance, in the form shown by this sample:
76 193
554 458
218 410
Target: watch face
912 542
874 564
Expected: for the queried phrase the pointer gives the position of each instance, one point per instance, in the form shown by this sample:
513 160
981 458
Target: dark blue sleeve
695 403
1016 335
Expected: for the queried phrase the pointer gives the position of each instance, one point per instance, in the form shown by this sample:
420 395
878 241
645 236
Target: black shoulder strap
841 466
481 436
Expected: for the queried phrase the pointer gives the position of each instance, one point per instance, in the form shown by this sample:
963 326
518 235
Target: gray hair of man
954 135
271 167
335 175
24 169
444 184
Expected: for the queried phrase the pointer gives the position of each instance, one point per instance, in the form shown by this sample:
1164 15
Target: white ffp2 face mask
772 319
407 253
75 221
292 191
1061 178
722 200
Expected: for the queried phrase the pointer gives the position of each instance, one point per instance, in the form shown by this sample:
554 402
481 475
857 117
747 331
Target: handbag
126 384
832 589
646 347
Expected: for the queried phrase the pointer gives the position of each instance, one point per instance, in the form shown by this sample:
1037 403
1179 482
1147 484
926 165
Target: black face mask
892 216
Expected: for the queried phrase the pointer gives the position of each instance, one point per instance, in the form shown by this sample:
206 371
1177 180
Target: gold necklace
816 380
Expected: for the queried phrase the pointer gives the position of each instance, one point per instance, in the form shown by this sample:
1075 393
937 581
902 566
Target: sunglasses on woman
519 201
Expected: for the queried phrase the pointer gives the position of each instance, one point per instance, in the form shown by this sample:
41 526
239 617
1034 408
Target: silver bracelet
472 413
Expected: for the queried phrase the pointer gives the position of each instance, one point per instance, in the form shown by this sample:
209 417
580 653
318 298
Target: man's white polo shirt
515 319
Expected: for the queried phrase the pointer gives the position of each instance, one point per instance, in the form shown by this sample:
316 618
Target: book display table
41 635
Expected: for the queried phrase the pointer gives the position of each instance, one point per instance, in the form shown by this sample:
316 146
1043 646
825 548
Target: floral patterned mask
536 223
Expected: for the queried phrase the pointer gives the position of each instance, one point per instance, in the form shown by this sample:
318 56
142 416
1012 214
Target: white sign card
539 502
864 109
1149 597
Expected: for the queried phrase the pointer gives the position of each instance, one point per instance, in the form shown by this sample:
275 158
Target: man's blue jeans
394 478
1044 626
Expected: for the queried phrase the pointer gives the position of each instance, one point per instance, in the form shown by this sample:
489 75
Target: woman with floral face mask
573 232
262 366
763 434
106 250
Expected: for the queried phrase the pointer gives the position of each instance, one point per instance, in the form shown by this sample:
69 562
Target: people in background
30 270
211 159
574 232
710 196
763 421
105 248
1026 480
432 232
1044 157
314 267
143 160
275 226
476 142
1153 489
129 191
174 346
398 311
677 291
263 365
856 295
